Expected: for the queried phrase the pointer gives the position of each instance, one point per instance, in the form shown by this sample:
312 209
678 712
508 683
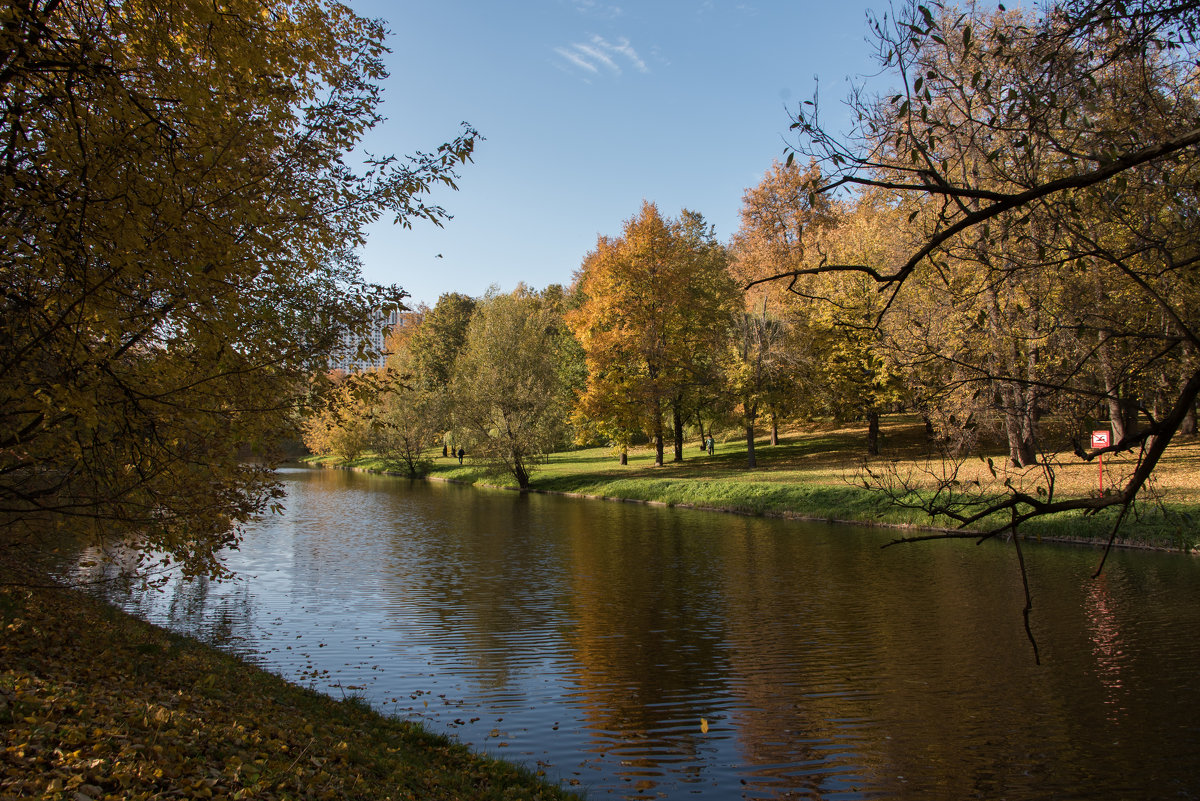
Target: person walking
712 445
461 454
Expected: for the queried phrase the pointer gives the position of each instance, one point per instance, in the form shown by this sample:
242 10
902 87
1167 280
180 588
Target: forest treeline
1004 246
1004 243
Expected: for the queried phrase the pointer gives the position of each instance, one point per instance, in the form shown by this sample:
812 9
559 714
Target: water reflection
1107 645
592 639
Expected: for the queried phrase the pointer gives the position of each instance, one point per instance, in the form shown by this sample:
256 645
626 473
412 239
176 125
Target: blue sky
588 107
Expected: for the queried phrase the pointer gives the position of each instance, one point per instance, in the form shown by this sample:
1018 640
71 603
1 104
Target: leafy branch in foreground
176 253
1048 166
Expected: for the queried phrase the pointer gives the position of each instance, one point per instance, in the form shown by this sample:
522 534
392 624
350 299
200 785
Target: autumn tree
655 312
509 402
406 414
836 362
759 369
177 252
1052 149
342 425
436 342
782 219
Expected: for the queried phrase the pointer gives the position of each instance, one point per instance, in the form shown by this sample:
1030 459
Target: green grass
815 473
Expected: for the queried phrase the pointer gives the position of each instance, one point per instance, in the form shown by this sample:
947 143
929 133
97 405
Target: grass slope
817 473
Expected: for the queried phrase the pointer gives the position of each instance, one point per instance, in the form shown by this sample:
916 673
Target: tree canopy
509 401
655 312
176 251
1048 163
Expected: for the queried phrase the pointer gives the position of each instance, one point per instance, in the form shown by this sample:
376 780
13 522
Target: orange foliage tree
655 313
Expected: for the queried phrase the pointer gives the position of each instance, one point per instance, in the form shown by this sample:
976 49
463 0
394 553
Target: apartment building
344 358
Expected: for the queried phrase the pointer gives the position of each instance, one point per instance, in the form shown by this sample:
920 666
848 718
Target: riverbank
95 704
817 473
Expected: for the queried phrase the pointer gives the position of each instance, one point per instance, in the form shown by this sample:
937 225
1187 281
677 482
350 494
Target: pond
633 651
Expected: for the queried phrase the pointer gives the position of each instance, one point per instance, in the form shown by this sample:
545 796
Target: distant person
461 454
712 445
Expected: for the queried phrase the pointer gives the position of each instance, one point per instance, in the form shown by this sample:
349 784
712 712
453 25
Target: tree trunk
1017 401
624 456
521 473
658 433
1188 427
1018 425
873 432
1122 412
751 416
677 420
774 428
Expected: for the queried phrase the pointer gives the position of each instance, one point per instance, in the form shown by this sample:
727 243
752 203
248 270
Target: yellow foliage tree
655 316
176 252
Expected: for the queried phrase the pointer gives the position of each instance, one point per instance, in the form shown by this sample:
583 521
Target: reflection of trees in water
220 613
649 635
484 571
804 710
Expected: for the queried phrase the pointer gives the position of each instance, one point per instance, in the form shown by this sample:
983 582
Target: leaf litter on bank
97 705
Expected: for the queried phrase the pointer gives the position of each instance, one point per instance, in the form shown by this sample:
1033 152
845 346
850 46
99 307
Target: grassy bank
817 473
97 705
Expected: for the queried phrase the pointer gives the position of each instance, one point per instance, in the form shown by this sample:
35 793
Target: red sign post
1101 439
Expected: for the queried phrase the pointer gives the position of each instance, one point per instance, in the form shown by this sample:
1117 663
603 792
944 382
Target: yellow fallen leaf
703 726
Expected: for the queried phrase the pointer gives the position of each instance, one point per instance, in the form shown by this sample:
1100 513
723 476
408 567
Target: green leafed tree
440 336
510 403
406 414
177 229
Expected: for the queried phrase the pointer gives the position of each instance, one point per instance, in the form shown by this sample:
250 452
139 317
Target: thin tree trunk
1188 427
677 419
751 416
873 432
1017 404
774 428
658 433
1122 412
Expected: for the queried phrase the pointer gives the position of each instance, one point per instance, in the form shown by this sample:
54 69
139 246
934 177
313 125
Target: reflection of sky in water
590 640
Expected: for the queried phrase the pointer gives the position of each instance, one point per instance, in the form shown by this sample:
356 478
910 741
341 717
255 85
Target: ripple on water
639 652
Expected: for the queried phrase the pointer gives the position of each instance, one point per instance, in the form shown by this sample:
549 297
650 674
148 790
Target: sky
587 108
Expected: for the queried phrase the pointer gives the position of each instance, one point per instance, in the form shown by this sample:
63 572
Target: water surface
640 652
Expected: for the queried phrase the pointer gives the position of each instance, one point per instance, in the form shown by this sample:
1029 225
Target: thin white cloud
598 56
598 52
577 59
626 49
